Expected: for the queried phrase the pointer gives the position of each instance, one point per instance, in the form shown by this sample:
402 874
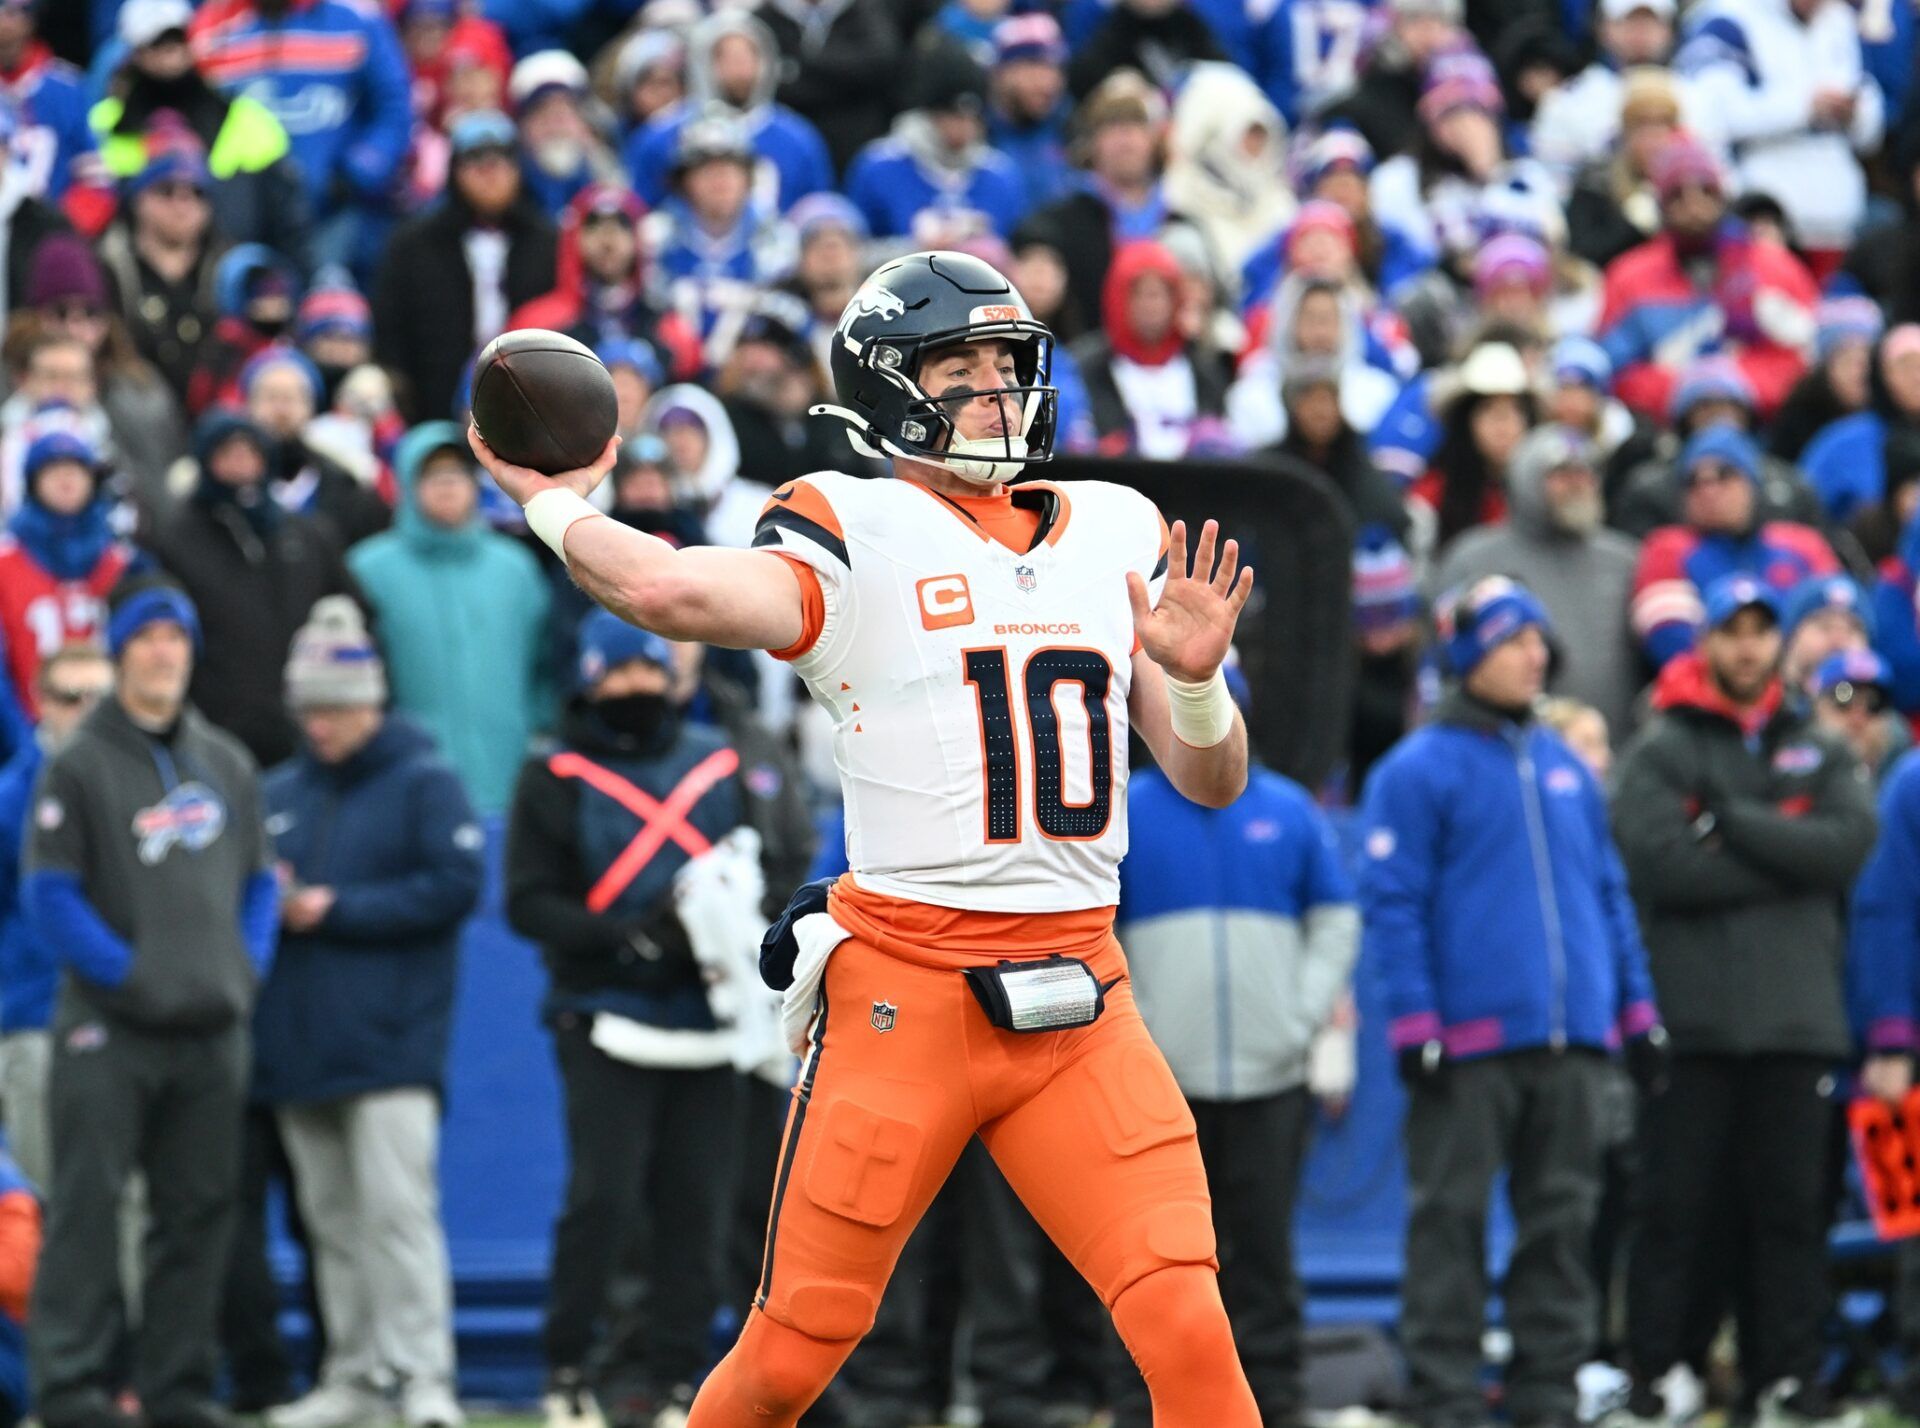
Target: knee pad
828 1311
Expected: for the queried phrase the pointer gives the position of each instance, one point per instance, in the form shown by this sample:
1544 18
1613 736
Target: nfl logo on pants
883 1014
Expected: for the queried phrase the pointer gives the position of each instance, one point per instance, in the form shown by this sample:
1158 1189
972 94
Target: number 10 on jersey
1000 741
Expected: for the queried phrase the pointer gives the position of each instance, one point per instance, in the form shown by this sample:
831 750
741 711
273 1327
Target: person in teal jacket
461 615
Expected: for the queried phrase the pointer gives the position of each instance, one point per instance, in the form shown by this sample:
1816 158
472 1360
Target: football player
984 648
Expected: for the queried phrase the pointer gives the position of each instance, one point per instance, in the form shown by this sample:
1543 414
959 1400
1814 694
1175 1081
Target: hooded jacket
1239 203
1160 399
581 309
148 870
1492 899
1370 381
1742 913
364 1001
1583 580
728 503
253 571
791 148
461 616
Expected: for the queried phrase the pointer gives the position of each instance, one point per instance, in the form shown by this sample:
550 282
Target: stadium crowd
1601 324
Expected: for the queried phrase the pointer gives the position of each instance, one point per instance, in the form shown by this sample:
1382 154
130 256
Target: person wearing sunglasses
1853 697
1722 531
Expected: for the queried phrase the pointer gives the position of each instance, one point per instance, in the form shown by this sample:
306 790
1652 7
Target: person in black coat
253 570
650 1087
1119 135
1156 38
1384 105
1318 436
839 60
431 310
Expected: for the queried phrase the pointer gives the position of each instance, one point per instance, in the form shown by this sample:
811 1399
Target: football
543 401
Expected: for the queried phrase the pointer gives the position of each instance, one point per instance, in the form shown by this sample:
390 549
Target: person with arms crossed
937 616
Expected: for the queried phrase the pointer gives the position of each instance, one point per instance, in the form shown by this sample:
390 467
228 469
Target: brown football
543 401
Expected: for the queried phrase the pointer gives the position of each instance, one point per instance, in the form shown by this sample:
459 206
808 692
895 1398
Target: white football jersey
979 694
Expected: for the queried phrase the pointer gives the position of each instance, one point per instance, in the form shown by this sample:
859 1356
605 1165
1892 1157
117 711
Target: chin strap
982 471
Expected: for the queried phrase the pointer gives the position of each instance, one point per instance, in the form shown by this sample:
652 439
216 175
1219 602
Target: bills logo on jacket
1797 759
191 816
1563 781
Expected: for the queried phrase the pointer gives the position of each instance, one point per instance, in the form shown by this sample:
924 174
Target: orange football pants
1088 1126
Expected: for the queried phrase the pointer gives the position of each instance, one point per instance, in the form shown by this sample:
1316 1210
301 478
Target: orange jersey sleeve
813 608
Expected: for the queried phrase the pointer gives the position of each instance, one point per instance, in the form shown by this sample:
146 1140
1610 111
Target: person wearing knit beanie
64 273
380 863
334 668
334 329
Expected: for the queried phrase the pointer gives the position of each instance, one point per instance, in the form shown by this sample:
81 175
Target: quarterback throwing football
983 648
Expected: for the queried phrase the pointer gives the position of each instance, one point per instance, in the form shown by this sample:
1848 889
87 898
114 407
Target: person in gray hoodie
1553 542
149 869
734 65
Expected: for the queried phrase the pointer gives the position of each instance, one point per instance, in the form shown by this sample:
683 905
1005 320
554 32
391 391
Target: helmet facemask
931 430
927 431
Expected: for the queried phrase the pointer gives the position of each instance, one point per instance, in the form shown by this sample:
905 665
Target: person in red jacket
58 560
600 283
1704 283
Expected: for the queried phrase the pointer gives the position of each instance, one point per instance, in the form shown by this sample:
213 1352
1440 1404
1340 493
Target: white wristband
1202 713
550 513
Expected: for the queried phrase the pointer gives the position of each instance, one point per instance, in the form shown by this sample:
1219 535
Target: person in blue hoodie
70 682
733 67
381 864
1496 912
602 821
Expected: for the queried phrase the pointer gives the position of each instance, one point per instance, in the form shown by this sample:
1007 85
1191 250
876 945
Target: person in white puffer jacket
1779 86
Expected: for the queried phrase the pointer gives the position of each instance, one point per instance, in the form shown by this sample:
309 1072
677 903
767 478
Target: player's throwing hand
1188 632
523 483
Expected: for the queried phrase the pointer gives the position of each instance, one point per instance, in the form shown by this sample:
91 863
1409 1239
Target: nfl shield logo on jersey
1024 577
883 1015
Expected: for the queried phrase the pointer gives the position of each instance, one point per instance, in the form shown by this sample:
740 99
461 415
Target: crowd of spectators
1600 323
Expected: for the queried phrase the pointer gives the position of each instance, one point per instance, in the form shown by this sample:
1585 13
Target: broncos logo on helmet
907 311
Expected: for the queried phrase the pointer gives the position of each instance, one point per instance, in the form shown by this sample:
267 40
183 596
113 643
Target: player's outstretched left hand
1188 632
